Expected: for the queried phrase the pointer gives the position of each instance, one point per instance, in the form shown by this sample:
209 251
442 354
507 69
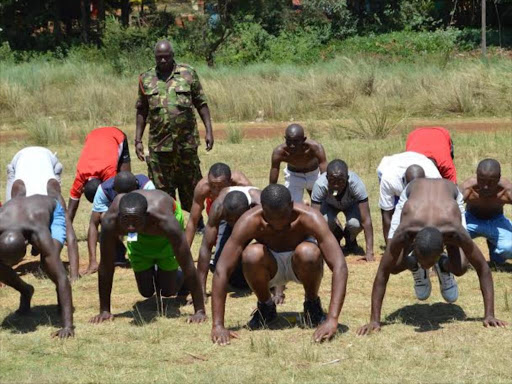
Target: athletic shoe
447 283
422 285
313 313
263 316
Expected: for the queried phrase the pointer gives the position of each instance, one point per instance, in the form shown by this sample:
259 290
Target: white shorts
397 215
296 182
285 271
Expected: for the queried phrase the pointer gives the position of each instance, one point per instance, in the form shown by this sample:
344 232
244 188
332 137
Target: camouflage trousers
171 171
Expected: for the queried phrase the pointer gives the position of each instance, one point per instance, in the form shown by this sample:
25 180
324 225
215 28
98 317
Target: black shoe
263 316
313 313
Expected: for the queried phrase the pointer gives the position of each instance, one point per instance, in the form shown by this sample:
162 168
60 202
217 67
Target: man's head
277 205
414 172
13 247
488 174
90 189
132 212
125 182
164 56
235 205
294 137
219 177
428 246
337 176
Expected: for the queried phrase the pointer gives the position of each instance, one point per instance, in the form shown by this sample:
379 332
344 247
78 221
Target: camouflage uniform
173 136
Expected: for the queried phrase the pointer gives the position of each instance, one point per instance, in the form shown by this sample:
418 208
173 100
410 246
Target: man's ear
305 138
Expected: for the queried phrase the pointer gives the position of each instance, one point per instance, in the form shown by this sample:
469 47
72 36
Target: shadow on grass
287 320
34 268
146 311
507 267
40 315
426 317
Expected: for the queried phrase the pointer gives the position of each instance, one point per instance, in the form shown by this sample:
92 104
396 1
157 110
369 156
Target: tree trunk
484 32
125 12
85 10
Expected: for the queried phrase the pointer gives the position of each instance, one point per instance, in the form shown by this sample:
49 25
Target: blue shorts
58 223
498 232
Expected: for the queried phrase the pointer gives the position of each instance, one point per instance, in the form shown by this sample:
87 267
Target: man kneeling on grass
156 247
40 221
428 218
293 240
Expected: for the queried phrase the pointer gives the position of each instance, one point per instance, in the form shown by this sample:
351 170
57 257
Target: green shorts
151 250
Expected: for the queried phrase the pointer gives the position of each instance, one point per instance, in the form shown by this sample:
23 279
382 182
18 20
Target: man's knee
146 290
354 227
253 254
308 254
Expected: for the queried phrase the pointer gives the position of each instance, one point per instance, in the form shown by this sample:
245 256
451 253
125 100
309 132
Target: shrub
235 134
247 44
46 131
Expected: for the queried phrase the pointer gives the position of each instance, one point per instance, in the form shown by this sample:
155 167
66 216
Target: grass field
421 342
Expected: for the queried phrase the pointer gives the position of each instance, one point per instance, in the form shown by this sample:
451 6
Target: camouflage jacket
169 107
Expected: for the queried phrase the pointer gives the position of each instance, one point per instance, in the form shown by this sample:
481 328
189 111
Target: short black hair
489 166
90 189
414 172
275 197
235 203
337 166
133 202
428 242
125 182
220 169
294 130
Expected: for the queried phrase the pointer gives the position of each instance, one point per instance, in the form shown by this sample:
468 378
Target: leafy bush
301 46
247 44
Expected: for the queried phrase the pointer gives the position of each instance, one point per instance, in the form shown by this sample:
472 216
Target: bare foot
91 269
25 301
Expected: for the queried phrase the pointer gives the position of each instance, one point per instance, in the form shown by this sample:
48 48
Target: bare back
27 213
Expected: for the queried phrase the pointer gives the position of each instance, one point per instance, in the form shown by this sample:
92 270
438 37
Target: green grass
422 342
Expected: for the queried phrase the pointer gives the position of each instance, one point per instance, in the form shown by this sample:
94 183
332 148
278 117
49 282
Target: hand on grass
197 317
222 336
103 316
64 333
369 328
491 321
369 256
326 330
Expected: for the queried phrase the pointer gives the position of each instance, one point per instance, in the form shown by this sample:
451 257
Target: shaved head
12 247
414 172
489 167
163 46
294 131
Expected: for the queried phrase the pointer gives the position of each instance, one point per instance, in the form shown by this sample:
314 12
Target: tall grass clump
378 123
235 134
46 131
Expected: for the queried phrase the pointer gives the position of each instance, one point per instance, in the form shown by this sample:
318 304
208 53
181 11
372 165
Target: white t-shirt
35 166
391 172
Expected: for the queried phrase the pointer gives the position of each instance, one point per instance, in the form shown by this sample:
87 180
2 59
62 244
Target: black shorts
125 154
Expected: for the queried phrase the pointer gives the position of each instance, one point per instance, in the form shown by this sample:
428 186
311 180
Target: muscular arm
195 214
72 208
57 273
92 234
477 260
386 222
274 168
241 180
173 232
204 112
142 107
366 223
388 262
225 266
322 158
209 238
506 197
334 258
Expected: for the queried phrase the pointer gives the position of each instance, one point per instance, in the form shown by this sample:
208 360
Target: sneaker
313 313
422 285
447 283
263 316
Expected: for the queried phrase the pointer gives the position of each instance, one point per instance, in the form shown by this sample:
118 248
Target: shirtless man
293 240
485 196
231 203
208 189
37 171
146 214
432 218
305 159
123 182
40 221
